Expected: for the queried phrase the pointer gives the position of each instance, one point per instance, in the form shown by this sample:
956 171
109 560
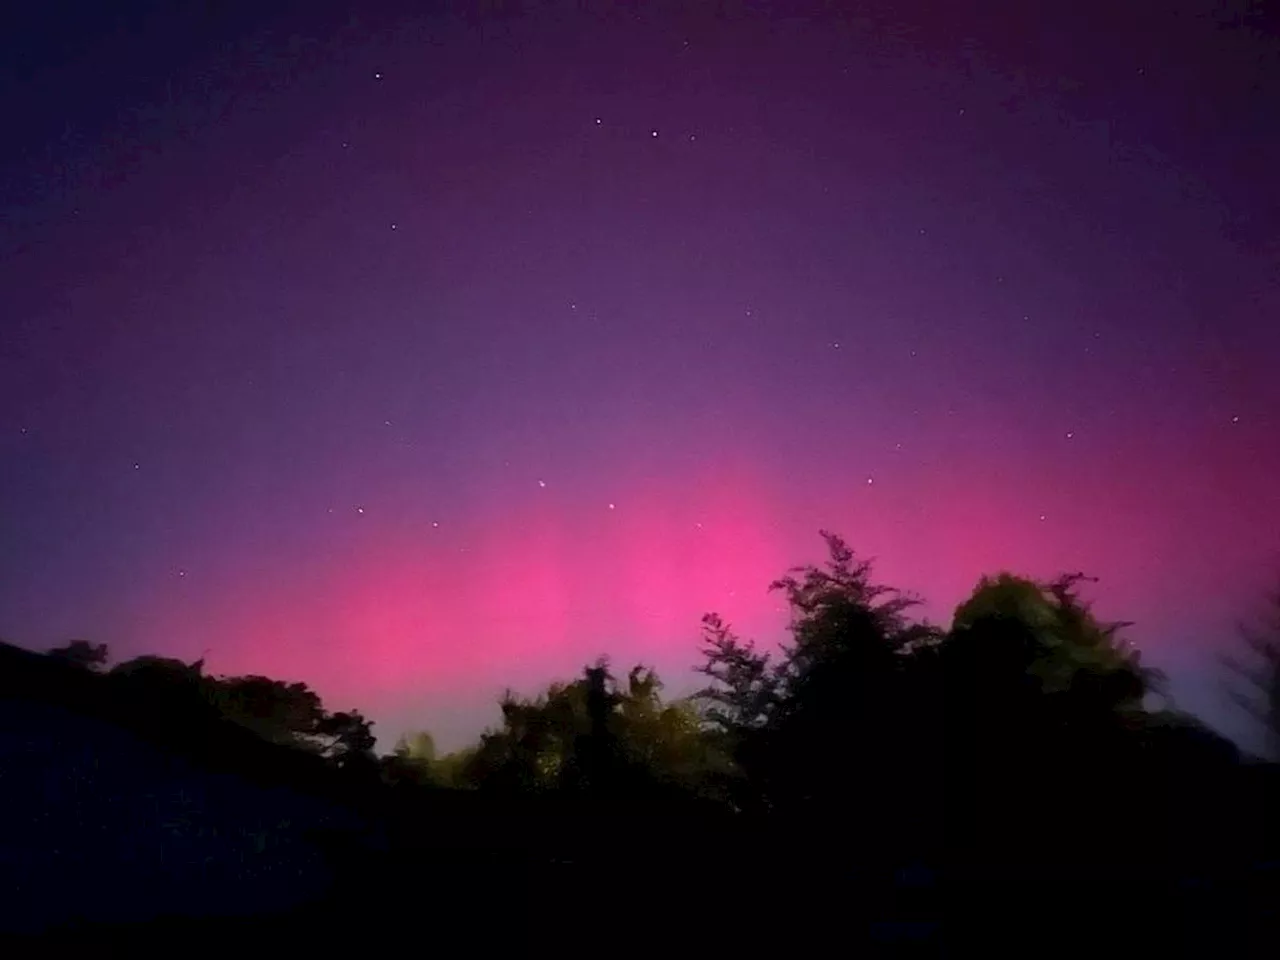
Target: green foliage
866 714
598 732
418 746
414 761
1067 647
454 769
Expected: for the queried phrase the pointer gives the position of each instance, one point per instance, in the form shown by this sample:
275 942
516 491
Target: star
1042 518
598 121
653 133
1233 420
136 466
836 345
359 509
1070 434
182 573
377 76
435 524
611 506
393 226
870 480
542 484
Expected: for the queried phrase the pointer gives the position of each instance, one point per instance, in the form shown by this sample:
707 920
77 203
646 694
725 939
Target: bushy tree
165 681
414 761
418 746
81 653
454 769
1042 706
1063 647
285 713
819 728
597 734
347 739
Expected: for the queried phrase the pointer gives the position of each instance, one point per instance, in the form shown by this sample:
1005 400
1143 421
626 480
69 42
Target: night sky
419 353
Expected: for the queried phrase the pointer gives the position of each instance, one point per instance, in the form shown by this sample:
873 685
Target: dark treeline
877 782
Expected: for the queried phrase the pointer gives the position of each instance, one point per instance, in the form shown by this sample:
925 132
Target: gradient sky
418 353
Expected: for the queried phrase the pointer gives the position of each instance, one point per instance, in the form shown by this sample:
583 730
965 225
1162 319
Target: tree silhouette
744 685
597 735
285 713
1061 648
847 730
81 653
820 733
168 685
1019 738
347 739
1260 695
529 751
1042 703
593 762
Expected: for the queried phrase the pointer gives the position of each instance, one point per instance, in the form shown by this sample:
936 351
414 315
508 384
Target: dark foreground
119 847
128 838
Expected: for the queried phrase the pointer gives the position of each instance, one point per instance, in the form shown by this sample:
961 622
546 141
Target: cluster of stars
654 133
612 505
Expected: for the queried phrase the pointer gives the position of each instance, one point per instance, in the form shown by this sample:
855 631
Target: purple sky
418 355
